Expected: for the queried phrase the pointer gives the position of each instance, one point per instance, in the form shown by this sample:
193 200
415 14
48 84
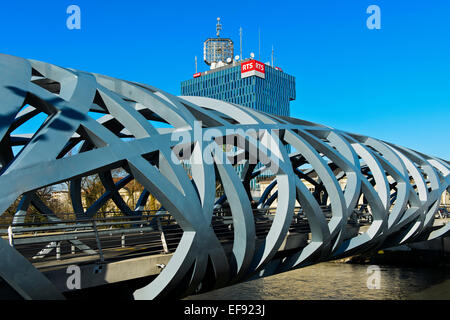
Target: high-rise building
269 91
247 82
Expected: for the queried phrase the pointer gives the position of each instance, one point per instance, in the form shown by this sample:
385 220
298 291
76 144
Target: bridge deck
143 253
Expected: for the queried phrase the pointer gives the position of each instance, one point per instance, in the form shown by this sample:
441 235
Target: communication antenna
217 50
259 44
195 64
218 28
272 55
240 41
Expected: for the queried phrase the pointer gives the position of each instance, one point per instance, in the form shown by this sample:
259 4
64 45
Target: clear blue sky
392 84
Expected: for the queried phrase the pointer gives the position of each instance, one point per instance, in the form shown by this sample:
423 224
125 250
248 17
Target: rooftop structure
244 81
218 51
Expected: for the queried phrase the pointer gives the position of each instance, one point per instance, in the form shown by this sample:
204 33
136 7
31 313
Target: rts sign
253 68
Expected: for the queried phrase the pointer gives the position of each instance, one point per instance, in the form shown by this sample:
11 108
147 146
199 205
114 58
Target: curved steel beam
401 187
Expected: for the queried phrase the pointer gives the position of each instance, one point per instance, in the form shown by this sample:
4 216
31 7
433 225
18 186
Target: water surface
341 281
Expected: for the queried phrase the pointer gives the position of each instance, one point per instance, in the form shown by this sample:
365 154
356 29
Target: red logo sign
253 65
198 74
253 68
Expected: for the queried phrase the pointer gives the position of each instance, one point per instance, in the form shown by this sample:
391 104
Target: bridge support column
58 250
11 236
163 237
122 240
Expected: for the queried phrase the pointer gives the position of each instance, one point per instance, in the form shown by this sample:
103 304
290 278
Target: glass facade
271 95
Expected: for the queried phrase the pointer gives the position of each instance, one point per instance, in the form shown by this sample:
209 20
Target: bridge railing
443 212
54 233
94 236
109 230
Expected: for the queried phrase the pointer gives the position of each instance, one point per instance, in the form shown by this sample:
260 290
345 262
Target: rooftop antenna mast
272 55
195 64
217 51
218 28
240 41
259 44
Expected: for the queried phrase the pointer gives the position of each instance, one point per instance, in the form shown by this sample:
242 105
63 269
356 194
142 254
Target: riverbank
403 256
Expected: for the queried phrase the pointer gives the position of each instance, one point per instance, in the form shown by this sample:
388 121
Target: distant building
246 82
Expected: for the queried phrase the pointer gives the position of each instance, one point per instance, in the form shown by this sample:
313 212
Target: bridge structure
368 194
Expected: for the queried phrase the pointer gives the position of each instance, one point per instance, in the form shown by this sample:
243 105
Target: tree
92 189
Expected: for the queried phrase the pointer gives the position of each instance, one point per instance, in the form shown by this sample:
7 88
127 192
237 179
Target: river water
341 281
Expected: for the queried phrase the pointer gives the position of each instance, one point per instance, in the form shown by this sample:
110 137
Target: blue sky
392 84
